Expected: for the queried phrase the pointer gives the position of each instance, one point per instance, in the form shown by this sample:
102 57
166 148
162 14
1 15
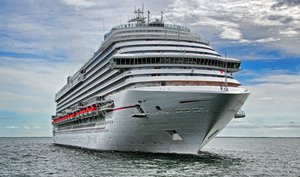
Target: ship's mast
139 16
148 16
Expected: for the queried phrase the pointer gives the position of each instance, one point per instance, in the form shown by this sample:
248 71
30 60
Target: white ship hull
179 119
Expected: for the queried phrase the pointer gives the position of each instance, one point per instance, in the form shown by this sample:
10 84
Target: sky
44 41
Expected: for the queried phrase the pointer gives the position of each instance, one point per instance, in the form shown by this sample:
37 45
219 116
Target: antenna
148 16
139 16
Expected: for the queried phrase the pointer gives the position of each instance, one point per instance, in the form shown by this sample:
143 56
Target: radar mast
139 16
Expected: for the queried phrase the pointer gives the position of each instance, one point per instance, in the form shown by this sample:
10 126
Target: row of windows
171 51
151 36
132 26
167 45
80 123
153 31
88 82
75 95
87 70
173 60
89 95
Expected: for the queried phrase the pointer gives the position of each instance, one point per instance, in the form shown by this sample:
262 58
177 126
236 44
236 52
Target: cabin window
152 60
220 64
194 60
122 61
158 60
213 62
173 60
209 62
116 61
201 61
176 60
143 60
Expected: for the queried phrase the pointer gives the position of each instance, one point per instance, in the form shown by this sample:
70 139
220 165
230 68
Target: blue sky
43 42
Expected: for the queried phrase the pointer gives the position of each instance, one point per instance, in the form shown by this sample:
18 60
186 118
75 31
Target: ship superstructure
151 87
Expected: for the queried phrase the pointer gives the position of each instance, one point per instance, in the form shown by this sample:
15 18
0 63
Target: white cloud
29 86
231 33
270 23
267 40
11 127
289 32
273 104
79 3
264 98
27 127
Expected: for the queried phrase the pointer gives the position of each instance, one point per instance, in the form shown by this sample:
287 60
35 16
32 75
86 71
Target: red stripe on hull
124 107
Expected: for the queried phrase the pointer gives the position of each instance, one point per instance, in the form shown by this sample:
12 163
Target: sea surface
221 157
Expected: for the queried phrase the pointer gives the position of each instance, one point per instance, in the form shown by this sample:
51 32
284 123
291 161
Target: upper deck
149 30
132 26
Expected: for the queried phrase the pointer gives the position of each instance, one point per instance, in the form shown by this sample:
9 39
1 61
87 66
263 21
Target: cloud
248 125
50 31
273 104
289 32
27 127
231 33
11 127
266 40
79 3
286 3
268 23
264 98
282 79
29 86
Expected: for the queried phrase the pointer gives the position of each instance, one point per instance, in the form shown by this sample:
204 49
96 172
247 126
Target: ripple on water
222 157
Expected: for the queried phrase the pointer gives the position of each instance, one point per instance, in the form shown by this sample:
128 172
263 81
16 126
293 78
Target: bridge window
173 60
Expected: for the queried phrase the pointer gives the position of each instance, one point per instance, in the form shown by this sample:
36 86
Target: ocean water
221 157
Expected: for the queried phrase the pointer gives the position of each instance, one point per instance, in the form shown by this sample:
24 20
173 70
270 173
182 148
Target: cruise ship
150 87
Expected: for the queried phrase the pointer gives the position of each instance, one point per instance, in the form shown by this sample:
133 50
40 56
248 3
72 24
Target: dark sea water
221 157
